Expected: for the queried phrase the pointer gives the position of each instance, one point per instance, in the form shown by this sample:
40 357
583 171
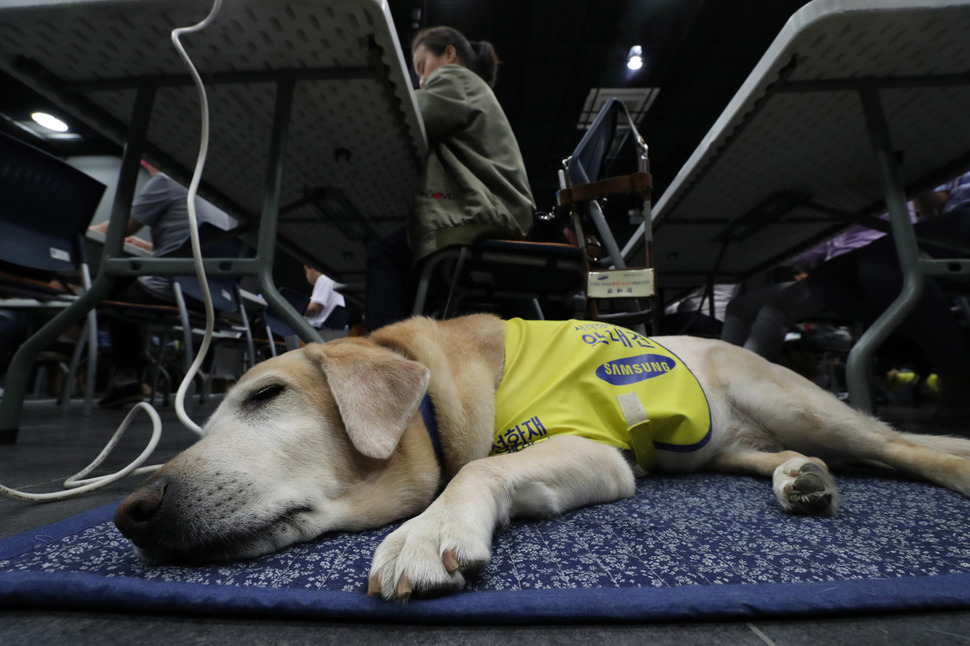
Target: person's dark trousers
126 337
390 281
865 281
338 319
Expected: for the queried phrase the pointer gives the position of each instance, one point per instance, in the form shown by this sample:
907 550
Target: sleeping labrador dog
463 424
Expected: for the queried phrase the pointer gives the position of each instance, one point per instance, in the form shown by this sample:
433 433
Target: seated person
162 206
863 282
327 308
692 313
474 183
768 309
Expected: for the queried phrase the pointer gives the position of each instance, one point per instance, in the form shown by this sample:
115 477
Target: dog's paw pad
815 503
804 487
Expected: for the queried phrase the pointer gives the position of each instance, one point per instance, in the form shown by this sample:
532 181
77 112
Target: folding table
855 105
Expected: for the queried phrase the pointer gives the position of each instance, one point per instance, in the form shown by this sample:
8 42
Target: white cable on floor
76 485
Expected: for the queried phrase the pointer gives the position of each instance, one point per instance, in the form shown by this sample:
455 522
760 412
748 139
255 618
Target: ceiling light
634 60
50 122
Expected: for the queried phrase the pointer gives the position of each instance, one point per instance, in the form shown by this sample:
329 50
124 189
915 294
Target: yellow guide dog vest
598 381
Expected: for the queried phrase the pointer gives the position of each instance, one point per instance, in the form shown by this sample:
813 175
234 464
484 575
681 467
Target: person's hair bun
485 62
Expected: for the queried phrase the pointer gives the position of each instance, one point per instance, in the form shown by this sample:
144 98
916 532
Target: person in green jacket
474 183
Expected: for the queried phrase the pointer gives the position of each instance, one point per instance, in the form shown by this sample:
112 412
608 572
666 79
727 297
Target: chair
46 206
508 277
232 326
540 274
182 323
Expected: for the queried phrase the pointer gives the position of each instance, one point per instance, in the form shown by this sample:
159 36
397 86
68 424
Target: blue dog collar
431 423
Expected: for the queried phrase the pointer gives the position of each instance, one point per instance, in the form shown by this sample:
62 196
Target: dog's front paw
804 486
427 556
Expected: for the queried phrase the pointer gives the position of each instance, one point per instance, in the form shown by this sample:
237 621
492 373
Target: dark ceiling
697 53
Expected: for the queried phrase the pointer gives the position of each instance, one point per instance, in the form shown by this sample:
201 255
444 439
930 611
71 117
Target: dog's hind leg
928 457
776 406
814 423
801 484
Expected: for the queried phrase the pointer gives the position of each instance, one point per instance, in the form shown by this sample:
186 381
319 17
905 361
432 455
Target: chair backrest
215 243
591 152
46 206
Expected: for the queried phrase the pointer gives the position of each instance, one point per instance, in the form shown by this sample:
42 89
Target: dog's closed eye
263 395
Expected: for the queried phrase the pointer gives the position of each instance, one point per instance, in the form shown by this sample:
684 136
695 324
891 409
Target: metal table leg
15 389
860 359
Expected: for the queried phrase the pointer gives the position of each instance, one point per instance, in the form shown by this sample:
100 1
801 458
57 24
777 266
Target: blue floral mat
701 546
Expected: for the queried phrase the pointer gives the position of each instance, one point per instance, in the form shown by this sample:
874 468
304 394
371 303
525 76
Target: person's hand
140 243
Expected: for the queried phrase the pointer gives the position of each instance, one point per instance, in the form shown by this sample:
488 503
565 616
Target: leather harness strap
640 182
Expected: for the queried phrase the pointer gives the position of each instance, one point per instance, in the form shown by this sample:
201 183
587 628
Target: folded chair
46 206
277 327
614 292
176 326
232 328
491 274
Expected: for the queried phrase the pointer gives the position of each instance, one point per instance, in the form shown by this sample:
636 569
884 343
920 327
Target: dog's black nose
134 516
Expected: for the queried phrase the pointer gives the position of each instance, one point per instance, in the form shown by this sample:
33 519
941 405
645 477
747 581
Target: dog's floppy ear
376 390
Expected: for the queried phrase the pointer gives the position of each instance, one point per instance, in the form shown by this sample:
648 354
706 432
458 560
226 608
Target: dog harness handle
638 426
